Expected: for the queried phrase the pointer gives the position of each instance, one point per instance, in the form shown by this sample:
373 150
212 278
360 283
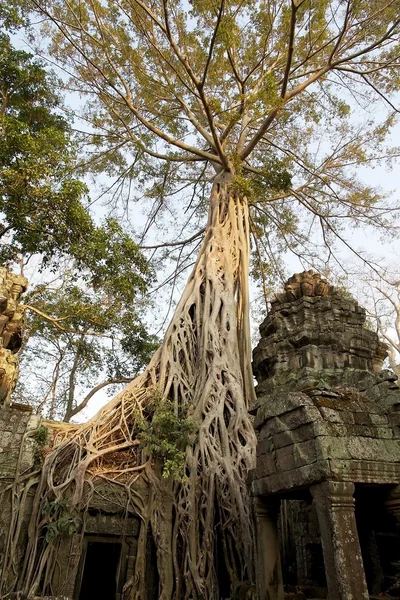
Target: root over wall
203 368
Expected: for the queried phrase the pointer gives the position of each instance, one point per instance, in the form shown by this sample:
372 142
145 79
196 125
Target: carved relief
11 327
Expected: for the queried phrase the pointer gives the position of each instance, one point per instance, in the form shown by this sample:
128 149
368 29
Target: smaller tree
385 314
91 341
84 329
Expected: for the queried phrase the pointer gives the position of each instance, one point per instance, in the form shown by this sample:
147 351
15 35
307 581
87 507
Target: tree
384 312
251 101
90 342
40 201
45 211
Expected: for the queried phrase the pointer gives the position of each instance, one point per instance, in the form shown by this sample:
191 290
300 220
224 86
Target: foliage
103 342
166 435
41 440
280 93
45 209
45 212
59 519
14 14
40 201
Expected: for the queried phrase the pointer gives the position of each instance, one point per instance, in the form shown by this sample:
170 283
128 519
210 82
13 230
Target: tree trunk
204 368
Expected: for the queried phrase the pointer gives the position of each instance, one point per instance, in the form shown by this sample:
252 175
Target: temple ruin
326 486
326 490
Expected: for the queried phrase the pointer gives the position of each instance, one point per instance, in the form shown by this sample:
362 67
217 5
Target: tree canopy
95 273
280 93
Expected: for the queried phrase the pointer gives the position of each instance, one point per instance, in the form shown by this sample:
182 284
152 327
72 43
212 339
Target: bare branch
295 7
56 322
212 43
79 407
179 243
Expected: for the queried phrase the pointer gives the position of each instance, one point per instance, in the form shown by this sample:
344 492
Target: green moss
41 440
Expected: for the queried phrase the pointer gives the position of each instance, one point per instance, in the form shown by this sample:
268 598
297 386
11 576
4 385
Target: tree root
203 367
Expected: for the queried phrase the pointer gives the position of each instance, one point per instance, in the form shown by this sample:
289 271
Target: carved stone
269 572
342 554
328 419
11 327
315 336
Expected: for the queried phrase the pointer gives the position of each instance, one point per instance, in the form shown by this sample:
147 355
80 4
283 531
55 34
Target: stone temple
326 487
327 498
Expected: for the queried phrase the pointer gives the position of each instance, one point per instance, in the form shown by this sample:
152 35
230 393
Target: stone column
392 504
269 572
344 568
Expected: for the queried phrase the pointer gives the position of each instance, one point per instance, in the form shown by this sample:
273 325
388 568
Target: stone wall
106 521
18 450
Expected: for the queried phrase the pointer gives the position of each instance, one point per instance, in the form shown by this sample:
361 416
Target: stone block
266 465
304 453
295 479
378 418
301 416
335 416
279 404
295 436
357 448
361 418
6 439
328 447
344 429
112 525
266 446
8 463
285 459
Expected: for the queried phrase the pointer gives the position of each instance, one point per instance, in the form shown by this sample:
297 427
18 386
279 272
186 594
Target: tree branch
100 386
57 324
170 244
212 43
295 7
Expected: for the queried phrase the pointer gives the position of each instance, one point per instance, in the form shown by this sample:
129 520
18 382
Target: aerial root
203 369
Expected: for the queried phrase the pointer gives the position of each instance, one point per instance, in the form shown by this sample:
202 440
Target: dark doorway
100 572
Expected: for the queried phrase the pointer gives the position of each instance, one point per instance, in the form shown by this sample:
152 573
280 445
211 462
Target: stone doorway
101 570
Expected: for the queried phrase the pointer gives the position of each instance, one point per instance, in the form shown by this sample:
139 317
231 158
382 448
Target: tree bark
203 367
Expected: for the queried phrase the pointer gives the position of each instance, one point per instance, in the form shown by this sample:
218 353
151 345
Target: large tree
266 107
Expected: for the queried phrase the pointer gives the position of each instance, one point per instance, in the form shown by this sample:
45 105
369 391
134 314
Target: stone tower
327 418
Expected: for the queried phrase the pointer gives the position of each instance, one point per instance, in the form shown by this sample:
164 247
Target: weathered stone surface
345 415
107 518
327 418
15 422
101 524
269 572
342 554
309 338
11 324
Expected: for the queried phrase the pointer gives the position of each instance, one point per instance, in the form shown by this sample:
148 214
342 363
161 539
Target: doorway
101 570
